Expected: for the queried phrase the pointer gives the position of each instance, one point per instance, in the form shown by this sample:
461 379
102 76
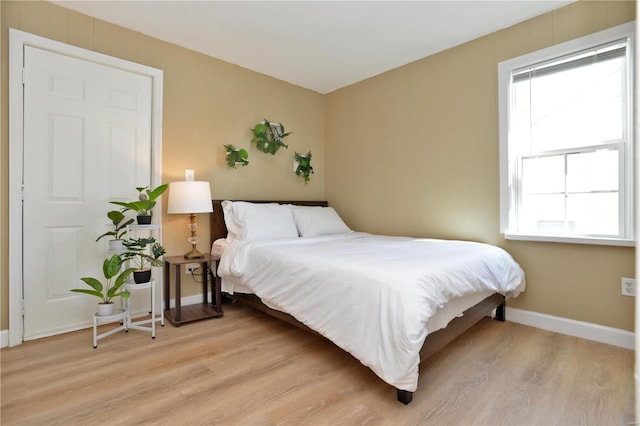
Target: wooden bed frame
434 341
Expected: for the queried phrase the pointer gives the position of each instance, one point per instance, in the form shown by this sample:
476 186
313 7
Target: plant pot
143 276
116 246
105 309
144 219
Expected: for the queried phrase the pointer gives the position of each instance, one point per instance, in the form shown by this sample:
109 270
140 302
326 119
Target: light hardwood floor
247 368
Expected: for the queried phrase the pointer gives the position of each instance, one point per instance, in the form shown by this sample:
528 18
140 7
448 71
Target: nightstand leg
216 286
217 281
165 284
205 284
178 296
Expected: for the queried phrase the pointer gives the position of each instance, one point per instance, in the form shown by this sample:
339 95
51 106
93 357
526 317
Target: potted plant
146 202
119 230
110 289
137 251
303 166
236 157
268 136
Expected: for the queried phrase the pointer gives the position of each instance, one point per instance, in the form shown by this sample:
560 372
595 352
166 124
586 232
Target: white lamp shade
188 197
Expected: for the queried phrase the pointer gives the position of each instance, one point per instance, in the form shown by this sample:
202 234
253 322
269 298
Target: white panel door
87 140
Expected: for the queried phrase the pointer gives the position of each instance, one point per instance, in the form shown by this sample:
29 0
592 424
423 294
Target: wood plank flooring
248 368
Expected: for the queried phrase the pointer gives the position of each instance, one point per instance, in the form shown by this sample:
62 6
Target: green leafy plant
268 136
304 167
236 157
137 251
108 290
146 200
119 227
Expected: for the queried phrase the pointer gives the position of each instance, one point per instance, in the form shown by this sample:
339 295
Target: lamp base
193 239
193 254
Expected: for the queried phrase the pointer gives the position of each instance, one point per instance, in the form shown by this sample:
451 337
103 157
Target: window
566 141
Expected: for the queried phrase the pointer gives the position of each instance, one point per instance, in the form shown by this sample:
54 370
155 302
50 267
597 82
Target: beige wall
414 151
207 103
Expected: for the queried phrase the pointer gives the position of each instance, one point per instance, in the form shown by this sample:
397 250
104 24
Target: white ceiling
319 45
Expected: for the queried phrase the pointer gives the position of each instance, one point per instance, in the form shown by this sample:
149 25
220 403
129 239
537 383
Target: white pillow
233 228
316 221
258 221
218 246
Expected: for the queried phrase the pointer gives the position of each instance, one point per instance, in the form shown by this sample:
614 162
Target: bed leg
405 396
501 312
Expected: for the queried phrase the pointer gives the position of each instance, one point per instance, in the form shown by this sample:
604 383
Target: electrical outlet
191 267
628 286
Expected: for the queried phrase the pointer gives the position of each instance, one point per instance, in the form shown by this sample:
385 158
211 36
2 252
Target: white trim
585 330
16 56
189 300
570 239
185 301
17 41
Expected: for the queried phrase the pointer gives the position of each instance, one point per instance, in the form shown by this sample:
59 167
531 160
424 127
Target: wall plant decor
268 136
236 157
303 166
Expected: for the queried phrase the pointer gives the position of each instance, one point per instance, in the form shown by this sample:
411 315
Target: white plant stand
154 229
140 325
124 313
119 314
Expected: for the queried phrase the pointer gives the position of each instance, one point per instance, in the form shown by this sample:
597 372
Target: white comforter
371 295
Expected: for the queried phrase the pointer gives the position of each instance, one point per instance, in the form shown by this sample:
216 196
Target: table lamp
190 197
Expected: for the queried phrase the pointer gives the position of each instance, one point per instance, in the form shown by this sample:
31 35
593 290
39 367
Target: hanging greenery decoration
304 167
236 157
268 136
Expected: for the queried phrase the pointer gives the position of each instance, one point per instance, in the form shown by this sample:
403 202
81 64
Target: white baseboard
189 300
584 330
184 301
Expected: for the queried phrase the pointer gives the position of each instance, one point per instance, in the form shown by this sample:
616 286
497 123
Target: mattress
443 316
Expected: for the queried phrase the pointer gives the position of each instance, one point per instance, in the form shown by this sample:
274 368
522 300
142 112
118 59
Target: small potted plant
111 288
119 230
268 136
137 252
236 157
146 202
303 166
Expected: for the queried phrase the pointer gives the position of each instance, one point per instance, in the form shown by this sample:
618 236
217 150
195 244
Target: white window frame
508 172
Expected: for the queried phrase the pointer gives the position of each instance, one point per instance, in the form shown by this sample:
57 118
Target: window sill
571 239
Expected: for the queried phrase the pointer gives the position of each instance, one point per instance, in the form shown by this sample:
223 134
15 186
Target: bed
299 262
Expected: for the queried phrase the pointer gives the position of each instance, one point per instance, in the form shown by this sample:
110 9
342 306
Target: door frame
17 41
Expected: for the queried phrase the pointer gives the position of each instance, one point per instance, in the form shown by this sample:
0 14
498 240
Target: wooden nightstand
183 314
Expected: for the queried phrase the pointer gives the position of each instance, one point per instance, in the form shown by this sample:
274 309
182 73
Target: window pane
543 175
520 126
592 171
577 107
542 214
594 213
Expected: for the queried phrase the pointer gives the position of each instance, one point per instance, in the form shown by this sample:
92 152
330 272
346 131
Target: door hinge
24 78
